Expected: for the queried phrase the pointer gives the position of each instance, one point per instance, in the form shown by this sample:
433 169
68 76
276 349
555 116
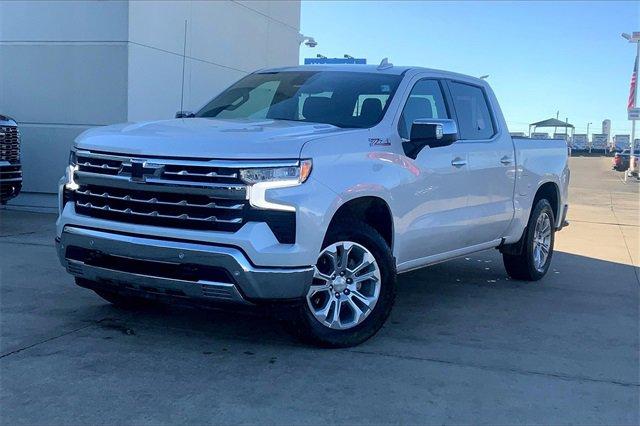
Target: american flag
632 89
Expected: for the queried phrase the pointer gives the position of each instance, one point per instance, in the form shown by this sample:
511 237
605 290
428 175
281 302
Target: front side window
474 118
425 101
343 99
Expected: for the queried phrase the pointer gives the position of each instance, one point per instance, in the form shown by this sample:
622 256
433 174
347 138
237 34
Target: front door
433 217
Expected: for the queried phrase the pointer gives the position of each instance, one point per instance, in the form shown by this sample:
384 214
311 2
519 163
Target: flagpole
635 38
633 122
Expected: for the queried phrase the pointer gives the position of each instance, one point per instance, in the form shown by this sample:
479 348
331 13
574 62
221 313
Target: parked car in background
10 168
310 187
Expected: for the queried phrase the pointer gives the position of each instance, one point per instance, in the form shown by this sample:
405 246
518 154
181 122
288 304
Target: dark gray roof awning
552 122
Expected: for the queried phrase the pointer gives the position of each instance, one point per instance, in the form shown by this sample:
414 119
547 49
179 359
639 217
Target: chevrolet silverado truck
309 187
10 168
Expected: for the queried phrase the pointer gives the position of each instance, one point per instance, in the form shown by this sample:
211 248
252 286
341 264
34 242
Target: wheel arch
372 210
551 192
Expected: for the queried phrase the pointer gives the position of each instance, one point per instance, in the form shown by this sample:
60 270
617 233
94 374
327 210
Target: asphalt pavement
464 343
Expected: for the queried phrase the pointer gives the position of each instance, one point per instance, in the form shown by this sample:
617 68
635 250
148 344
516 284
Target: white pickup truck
309 187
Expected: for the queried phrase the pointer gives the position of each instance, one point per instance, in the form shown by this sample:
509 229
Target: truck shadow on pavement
465 302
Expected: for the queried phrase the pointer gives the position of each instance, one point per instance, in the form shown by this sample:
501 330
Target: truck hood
207 138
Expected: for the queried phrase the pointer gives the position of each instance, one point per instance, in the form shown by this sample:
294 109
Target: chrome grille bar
184 216
154 200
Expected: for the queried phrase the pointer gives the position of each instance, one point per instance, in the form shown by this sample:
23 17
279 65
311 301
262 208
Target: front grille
161 209
10 144
170 193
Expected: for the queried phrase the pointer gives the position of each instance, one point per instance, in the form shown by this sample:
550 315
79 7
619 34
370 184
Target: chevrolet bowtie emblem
137 170
140 169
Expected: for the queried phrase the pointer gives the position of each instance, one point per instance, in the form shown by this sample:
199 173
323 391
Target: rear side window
474 118
425 101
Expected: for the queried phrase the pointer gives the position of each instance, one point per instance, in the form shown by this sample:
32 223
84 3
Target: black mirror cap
185 114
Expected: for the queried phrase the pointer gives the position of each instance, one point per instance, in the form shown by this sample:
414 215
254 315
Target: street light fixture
308 41
484 77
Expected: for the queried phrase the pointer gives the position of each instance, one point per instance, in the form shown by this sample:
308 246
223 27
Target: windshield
343 99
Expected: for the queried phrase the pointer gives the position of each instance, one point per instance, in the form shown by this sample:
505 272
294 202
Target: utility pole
633 38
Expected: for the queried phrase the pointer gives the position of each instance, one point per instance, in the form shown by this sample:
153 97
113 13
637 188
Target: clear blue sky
541 56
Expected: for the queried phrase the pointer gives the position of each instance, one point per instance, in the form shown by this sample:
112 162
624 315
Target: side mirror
431 132
185 114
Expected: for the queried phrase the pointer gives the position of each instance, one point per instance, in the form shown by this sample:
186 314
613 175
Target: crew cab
10 168
309 187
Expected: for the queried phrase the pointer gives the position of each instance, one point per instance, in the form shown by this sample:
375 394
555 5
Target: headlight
297 174
261 180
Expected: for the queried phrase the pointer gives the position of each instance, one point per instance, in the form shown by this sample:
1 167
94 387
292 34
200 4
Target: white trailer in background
539 135
599 142
563 136
580 142
621 142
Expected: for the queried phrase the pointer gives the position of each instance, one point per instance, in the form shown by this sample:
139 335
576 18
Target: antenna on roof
385 64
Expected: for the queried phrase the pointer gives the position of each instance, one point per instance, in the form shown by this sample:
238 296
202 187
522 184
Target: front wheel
535 257
353 288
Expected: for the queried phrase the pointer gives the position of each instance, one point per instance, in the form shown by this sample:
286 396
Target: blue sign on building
334 61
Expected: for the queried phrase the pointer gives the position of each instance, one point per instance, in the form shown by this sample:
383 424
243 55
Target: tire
524 266
355 323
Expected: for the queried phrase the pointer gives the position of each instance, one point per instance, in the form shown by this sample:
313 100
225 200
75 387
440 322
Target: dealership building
66 66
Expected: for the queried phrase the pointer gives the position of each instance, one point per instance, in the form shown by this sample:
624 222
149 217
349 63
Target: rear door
491 162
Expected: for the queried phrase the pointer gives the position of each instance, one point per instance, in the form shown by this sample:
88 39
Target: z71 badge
379 142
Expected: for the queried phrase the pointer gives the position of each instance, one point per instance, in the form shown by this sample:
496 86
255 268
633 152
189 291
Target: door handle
506 160
458 162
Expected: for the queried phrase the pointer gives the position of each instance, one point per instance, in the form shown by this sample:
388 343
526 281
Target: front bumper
171 267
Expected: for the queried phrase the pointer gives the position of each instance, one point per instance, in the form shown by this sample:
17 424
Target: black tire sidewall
365 235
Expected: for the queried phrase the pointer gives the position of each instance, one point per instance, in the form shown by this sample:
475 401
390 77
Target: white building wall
66 66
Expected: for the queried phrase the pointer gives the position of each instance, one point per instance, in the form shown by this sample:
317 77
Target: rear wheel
353 288
537 248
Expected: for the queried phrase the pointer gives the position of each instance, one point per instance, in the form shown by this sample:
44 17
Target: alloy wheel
346 285
541 241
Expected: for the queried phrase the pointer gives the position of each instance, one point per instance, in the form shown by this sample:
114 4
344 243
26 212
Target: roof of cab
394 70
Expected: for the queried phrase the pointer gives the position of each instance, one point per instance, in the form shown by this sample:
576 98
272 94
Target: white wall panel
64 83
63 20
229 35
285 11
154 84
158 24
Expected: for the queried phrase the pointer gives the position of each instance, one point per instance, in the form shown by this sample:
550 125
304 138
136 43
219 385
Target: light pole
588 124
633 38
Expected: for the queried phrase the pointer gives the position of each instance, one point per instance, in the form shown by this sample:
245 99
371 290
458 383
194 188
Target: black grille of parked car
170 193
10 144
